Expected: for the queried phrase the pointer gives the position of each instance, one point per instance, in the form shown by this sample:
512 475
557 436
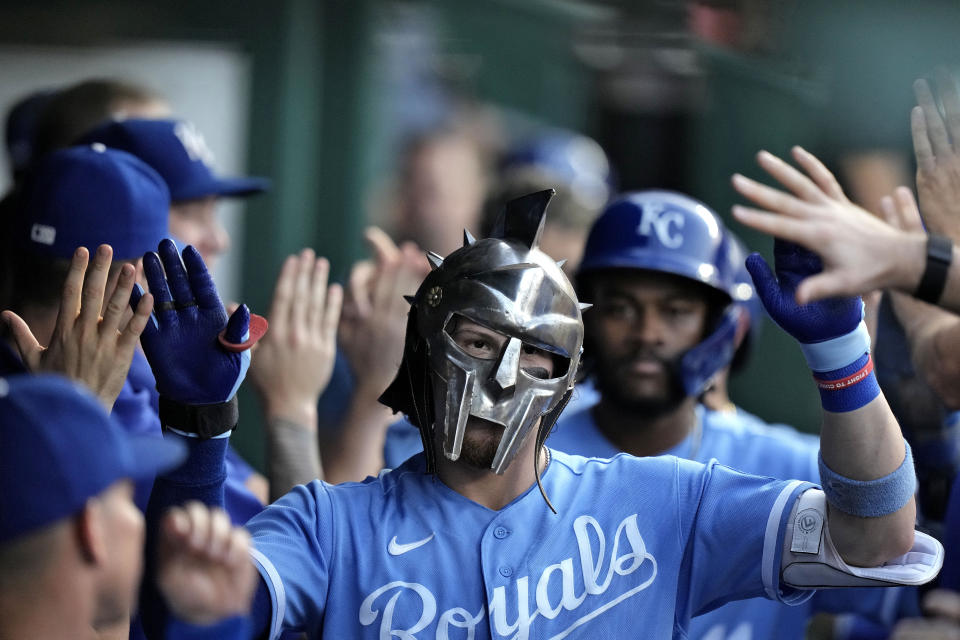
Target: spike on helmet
673 233
505 283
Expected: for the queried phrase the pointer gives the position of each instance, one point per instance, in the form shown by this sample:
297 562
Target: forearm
293 452
933 335
866 444
200 478
907 261
358 452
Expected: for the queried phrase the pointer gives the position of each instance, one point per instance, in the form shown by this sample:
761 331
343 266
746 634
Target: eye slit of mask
478 341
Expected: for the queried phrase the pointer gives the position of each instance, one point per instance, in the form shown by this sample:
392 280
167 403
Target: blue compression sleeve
201 478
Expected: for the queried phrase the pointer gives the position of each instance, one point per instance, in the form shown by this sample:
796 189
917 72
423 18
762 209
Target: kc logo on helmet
666 224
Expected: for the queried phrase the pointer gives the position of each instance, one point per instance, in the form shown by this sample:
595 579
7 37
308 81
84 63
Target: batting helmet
672 233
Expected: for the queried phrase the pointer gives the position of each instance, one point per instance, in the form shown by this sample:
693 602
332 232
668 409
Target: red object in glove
258 327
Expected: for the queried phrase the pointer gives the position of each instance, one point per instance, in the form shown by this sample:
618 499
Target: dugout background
329 87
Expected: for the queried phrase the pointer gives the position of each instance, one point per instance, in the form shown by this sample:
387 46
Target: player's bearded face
642 325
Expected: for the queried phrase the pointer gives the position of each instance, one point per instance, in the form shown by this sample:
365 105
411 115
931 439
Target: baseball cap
60 448
178 152
20 126
91 195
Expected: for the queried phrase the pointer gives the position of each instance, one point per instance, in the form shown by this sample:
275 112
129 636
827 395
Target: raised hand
372 329
85 347
936 143
859 252
204 569
198 357
808 323
295 360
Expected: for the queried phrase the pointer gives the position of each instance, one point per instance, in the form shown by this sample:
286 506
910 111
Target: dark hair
77 109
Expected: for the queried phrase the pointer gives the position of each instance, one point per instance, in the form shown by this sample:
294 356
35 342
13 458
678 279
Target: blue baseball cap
178 152
60 448
88 196
20 127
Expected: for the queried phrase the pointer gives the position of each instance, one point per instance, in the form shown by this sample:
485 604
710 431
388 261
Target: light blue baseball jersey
638 546
745 442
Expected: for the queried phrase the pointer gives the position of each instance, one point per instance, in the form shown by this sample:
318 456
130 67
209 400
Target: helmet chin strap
543 430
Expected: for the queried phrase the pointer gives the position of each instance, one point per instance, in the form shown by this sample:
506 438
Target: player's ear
88 530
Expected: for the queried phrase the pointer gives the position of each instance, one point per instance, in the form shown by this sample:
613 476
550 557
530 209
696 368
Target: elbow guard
810 561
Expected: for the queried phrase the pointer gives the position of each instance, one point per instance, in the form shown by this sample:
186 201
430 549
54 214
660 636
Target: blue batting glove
831 332
198 356
810 323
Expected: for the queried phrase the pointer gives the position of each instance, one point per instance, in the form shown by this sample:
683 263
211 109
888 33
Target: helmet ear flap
410 393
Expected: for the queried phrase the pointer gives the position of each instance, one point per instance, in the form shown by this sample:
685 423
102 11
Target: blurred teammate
493 344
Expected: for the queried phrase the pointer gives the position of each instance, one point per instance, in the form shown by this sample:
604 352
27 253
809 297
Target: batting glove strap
202 421
837 353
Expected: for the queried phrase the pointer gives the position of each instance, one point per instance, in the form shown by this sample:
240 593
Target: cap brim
220 187
153 455
238 187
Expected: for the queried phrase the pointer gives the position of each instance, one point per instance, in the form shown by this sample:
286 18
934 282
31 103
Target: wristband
205 421
838 352
870 498
939 257
848 388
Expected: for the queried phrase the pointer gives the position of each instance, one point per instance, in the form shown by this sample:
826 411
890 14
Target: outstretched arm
860 253
199 358
860 440
933 334
371 336
293 366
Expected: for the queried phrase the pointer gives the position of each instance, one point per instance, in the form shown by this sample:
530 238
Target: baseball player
459 543
662 272
71 539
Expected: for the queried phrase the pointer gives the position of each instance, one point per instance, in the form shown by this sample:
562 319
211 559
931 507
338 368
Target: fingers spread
907 211
795 230
137 323
822 176
921 141
936 130
72 286
283 294
331 316
383 247
950 98
201 282
117 303
301 289
318 295
789 177
94 284
28 346
766 197
163 302
176 275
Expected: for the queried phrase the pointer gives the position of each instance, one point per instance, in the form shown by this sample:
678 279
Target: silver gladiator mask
507 285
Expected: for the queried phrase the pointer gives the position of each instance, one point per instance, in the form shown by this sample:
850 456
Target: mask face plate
523 300
526 303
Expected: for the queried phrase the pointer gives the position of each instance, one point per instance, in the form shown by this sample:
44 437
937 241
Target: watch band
204 420
939 257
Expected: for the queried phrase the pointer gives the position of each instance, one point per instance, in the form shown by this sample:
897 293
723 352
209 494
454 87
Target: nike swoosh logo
397 549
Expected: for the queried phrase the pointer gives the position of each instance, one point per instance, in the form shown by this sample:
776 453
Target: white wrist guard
810 561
